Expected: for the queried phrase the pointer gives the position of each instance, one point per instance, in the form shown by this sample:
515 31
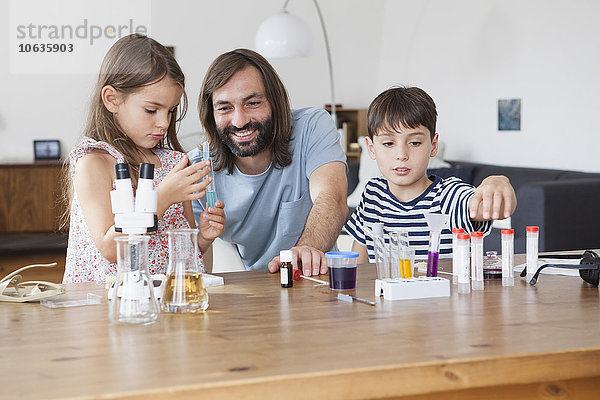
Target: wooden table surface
258 340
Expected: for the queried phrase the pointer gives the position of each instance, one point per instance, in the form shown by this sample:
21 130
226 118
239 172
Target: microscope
134 216
133 293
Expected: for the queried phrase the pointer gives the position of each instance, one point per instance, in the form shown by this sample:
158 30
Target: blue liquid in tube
211 194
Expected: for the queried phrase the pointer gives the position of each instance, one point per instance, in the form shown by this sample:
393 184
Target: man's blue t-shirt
266 213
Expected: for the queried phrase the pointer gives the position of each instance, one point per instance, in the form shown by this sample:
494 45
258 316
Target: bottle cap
463 236
507 231
458 230
477 234
285 256
532 228
297 274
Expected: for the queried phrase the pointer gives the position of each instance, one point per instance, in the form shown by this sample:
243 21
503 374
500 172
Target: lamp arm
331 85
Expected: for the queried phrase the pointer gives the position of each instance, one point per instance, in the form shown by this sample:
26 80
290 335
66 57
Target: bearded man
280 173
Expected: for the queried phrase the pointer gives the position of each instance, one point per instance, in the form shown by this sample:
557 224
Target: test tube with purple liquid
436 223
433 254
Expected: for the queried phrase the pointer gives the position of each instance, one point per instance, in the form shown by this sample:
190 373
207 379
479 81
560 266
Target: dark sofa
564 204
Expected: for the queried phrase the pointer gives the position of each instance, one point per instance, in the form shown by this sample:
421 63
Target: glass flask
184 290
133 301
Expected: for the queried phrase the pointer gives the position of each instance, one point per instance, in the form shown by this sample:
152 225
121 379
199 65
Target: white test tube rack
421 287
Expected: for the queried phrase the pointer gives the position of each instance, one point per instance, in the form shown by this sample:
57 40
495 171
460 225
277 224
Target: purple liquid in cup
342 278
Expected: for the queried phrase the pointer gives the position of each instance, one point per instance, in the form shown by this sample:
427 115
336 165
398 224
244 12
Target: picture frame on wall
509 114
46 149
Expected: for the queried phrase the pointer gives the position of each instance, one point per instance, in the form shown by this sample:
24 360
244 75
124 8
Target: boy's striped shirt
444 196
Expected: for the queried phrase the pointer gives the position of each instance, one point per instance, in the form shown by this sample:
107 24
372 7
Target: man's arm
328 190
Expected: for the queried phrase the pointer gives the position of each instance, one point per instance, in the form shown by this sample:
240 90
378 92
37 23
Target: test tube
405 257
477 260
463 262
531 248
406 263
433 253
508 257
395 255
382 259
211 194
455 232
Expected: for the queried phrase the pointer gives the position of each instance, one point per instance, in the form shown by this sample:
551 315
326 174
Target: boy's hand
211 223
310 260
494 198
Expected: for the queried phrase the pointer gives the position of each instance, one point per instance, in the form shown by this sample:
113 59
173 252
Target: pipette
211 194
348 298
298 275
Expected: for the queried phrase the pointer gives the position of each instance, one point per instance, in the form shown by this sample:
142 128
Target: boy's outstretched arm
494 198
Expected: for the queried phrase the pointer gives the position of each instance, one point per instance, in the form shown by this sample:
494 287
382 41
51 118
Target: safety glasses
589 266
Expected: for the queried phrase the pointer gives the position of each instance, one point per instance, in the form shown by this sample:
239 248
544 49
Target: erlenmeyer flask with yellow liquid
184 288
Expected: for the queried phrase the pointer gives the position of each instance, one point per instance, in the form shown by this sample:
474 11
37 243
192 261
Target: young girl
133 119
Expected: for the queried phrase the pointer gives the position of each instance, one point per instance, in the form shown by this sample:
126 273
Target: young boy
401 126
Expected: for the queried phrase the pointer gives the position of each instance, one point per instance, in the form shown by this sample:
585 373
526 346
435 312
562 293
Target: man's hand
494 198
309 259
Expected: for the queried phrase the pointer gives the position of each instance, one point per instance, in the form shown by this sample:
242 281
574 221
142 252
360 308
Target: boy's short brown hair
406 106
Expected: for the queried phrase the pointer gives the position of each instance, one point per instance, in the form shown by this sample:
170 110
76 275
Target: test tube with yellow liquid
406 268
404 254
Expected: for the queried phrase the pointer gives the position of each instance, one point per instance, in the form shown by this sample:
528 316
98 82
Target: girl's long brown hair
133 62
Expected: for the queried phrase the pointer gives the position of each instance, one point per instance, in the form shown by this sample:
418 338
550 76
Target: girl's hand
211 224
182 183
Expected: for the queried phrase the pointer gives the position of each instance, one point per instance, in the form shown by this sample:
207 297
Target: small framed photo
46 149
509 114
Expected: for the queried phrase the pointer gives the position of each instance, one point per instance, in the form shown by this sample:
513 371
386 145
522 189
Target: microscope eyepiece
122 171
146 171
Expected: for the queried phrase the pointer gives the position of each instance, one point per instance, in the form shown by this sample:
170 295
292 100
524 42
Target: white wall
467 54
55 106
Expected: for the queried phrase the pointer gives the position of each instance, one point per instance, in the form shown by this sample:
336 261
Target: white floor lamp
285 35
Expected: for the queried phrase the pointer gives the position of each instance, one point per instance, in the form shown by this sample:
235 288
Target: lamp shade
283 35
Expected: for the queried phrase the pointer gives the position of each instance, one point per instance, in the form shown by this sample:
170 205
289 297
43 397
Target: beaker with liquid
184 290
133 302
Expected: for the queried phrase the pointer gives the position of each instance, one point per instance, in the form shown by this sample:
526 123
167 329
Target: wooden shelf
353 122
30 197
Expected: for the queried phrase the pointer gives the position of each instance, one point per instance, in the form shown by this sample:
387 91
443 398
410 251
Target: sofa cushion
463 172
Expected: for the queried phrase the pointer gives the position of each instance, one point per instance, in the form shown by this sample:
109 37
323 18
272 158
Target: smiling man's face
243 114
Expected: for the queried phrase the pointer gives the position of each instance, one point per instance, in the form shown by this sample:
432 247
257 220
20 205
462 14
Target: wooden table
261 341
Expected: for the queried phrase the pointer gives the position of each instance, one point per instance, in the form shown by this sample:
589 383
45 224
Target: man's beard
260 142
